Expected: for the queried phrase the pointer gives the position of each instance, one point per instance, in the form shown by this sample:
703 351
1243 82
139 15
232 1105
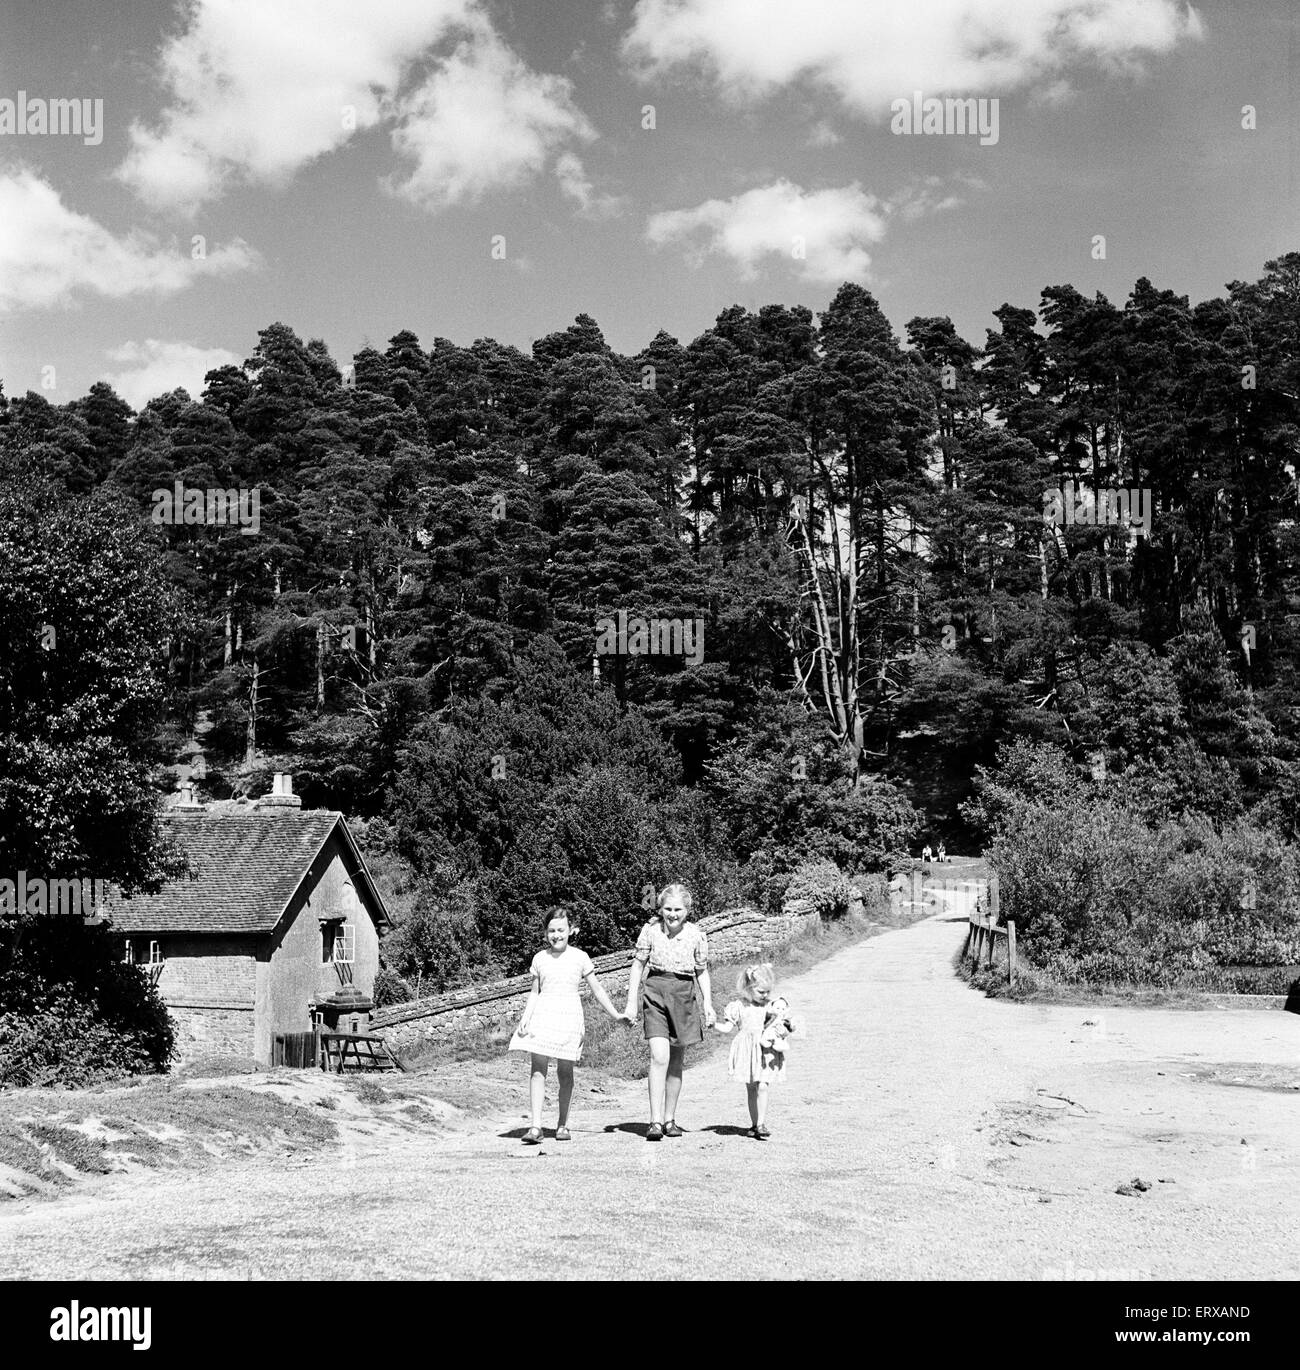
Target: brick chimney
185 799
282 795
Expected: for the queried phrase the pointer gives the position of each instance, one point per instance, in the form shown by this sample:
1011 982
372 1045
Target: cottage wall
209 985
292 975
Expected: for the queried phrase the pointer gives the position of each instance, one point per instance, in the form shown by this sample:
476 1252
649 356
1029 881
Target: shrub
390 988
822 886
1097 894
71 1012
440 941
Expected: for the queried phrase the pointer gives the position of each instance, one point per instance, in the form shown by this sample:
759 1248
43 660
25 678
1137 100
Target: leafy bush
440 942
1097 894
787 791
822 886
390 988
71 1012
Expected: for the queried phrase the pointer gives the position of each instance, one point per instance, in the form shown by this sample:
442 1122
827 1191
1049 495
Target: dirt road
923 1131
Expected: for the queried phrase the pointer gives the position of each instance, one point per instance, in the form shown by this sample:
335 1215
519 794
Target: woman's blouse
685 954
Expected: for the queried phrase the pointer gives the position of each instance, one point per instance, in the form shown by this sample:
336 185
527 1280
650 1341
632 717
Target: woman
671 954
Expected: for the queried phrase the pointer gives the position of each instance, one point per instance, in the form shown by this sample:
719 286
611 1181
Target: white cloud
927 197
870 52
482 120
258 90
823 135
824 234
576 184
50 253
157 368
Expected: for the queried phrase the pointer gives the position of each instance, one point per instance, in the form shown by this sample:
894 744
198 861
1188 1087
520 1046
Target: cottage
276 929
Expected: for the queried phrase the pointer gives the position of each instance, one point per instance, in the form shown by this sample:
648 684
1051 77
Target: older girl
671 955
552 1022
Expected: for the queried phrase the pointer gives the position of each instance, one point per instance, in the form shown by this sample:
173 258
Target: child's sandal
562 1134
533 1136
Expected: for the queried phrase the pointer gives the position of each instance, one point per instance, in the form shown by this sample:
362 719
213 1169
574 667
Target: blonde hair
680 891
755 977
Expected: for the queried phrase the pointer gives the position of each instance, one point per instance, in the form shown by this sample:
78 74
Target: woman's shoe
562 1134
762 1133
655 1133
752 1132
671 1129
533 1136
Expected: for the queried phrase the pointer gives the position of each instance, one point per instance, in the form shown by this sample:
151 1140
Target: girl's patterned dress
751 1062
557 1026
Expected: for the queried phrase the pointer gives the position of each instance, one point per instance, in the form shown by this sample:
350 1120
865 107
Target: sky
492 168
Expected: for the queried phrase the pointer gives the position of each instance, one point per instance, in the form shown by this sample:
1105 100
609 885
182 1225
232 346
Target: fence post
1011 950
995 909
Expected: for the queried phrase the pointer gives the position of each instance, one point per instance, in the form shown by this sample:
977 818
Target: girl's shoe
671 1129
655 1133
762 1133
562 1134
752 1132
533 1136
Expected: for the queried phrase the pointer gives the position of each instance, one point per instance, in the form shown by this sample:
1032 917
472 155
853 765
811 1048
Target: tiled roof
246 868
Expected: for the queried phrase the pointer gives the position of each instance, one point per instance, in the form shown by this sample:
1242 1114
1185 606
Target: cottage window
128 954
331 929
345 944
155 954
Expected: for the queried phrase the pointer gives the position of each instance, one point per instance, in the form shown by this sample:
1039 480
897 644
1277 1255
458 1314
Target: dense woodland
897 645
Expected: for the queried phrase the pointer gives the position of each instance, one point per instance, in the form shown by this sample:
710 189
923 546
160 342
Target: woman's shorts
668 1009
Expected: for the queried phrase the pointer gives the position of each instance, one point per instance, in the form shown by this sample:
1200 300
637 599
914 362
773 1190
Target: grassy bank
1036 986
51 1139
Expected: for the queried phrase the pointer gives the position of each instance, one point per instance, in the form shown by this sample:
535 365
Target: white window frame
345 945
128 954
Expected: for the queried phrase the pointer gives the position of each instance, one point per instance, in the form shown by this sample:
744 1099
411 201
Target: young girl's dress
557 1026
750 1061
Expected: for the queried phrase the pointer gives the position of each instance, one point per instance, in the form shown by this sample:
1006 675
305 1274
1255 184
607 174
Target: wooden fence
981 936
983 931
299 1050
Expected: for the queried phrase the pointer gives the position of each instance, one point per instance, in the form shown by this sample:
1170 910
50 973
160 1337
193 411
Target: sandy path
915 1136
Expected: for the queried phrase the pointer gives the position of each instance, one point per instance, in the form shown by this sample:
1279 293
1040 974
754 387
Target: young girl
757 1055
552 1022
671 958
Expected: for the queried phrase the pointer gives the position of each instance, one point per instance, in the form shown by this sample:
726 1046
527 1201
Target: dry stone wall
734 935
